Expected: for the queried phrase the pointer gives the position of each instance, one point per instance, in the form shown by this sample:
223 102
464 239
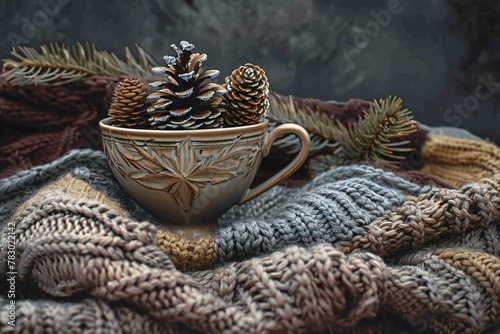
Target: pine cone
187 100
128 105
246 99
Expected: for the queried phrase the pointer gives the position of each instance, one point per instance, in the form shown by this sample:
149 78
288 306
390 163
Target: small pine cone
128 105
246 98
187 99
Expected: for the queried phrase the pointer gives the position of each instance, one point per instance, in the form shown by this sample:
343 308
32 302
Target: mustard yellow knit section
459 161
188 254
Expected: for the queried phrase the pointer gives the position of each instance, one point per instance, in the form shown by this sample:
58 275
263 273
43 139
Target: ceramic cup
187 179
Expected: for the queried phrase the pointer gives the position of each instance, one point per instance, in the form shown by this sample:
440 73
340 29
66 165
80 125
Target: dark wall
435 54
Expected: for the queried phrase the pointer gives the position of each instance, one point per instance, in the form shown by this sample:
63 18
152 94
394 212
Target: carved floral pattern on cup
183 172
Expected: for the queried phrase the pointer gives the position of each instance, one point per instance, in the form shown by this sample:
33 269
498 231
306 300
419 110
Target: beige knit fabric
459 161
119 281
73 187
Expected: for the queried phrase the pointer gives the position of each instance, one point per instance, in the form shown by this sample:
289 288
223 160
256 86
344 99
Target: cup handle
291 167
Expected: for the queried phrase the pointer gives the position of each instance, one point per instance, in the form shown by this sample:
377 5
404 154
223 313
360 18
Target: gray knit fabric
356 250
449 131
86 164
333 207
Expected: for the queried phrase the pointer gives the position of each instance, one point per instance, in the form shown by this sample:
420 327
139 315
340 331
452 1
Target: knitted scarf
39 124
358 249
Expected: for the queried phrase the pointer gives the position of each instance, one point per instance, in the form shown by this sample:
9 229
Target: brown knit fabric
39 124
419 222
120 281
439 213
459 161
76 243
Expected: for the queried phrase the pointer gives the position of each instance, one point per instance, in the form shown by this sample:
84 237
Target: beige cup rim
104 124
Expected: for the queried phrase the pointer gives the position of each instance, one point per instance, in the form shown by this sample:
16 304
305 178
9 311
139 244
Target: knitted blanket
358 249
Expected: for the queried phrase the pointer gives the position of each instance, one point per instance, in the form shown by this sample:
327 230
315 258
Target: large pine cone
246 99
128 105
187 99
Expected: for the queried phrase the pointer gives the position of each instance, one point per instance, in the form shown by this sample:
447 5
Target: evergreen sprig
57 64
321 127
379 134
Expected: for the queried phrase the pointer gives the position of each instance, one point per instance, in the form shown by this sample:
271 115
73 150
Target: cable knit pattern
431 216
355 250
332 208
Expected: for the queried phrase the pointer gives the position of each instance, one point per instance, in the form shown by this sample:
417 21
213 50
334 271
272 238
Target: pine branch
320 126
57 64
286 109
379 133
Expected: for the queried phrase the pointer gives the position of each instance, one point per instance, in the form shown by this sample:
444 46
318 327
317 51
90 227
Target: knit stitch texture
459 160
40 123
357 249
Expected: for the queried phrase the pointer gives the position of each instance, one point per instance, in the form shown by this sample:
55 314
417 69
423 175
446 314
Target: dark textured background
432 53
